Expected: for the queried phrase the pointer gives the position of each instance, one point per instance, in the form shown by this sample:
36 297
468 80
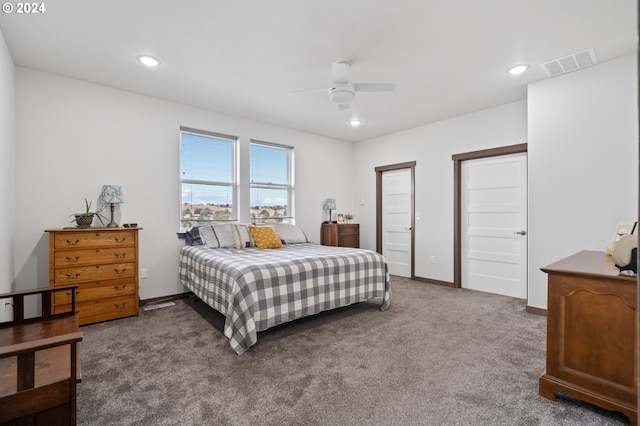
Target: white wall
583 163
582 135
7 147
432 146
74 136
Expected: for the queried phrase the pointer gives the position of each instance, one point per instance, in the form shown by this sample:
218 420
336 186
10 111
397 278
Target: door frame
457 198
379 170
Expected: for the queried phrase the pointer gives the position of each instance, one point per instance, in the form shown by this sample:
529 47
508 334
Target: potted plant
85 219
348 217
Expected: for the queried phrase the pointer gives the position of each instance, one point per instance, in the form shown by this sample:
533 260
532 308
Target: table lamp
330 204
112 194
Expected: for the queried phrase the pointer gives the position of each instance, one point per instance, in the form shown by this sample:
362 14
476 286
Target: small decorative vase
84 221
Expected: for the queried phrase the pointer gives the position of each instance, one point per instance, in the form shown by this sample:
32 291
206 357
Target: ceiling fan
341 92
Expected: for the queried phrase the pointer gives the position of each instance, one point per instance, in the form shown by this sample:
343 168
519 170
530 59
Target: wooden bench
39 361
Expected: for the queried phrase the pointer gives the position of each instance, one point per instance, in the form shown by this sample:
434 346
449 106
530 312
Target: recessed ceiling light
518 69
355 123
149 61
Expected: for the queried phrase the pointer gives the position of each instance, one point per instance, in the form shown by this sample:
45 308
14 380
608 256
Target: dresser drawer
349 235
96 290
93 256
349 241
94 273
103 309
348 229
64 240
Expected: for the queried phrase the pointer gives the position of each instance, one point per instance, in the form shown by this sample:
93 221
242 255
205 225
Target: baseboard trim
166 298
432 281
537 311
530 309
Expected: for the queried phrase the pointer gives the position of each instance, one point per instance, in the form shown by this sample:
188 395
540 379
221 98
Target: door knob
407 228
523 232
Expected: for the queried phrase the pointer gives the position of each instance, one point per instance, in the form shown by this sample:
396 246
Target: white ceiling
246 57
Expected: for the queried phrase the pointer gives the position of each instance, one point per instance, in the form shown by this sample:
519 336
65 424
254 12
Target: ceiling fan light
341 95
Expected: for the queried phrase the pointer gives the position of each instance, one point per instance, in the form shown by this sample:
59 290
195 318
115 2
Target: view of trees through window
207 177
271 184
209 180
193 214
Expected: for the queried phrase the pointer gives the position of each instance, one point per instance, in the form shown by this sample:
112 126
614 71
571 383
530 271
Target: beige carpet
437 356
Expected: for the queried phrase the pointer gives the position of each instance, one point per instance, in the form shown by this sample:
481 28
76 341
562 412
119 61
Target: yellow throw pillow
265 237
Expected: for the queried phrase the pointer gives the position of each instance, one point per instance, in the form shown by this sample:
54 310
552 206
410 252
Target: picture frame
624 228
340 218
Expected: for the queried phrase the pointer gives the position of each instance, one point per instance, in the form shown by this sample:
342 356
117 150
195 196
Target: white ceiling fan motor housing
342 94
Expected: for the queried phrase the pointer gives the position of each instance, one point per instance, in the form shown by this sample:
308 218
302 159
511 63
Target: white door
494 225
396 221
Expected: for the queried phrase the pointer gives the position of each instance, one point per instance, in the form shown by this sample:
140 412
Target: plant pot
83 221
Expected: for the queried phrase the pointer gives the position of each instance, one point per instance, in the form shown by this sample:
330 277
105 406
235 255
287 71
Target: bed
258 288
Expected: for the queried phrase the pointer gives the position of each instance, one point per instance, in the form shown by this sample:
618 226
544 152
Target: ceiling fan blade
343 106
340 72
374 87
315 89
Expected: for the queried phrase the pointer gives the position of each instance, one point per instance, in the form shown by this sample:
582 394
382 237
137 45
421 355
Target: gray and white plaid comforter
257 289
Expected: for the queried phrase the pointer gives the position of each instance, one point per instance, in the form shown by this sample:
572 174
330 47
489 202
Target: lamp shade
330 204
112 194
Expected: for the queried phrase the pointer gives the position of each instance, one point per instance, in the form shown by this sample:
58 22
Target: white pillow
290 233
242 236
208 236
225 235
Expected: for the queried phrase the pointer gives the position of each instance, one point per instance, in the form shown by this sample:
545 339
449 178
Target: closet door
396 221
494 225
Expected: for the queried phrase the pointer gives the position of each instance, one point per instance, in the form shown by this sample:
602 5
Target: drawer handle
120 305
120 255
120 287
69 293
72 242
73 276
120 239
120 271
71 259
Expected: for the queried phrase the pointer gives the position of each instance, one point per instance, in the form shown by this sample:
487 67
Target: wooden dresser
340 234
592 334
103 262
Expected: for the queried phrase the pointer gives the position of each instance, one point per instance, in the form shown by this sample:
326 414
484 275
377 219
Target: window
207 177
271 189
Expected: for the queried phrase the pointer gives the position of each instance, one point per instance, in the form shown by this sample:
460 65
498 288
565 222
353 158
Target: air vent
570 63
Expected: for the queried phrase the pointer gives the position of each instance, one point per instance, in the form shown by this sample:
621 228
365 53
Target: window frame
289 186
233 184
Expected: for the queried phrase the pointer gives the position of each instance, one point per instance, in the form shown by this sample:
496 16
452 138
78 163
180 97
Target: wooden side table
591 334
340 234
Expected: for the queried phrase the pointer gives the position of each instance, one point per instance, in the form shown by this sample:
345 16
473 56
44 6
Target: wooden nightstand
591 334
103 262
340 234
